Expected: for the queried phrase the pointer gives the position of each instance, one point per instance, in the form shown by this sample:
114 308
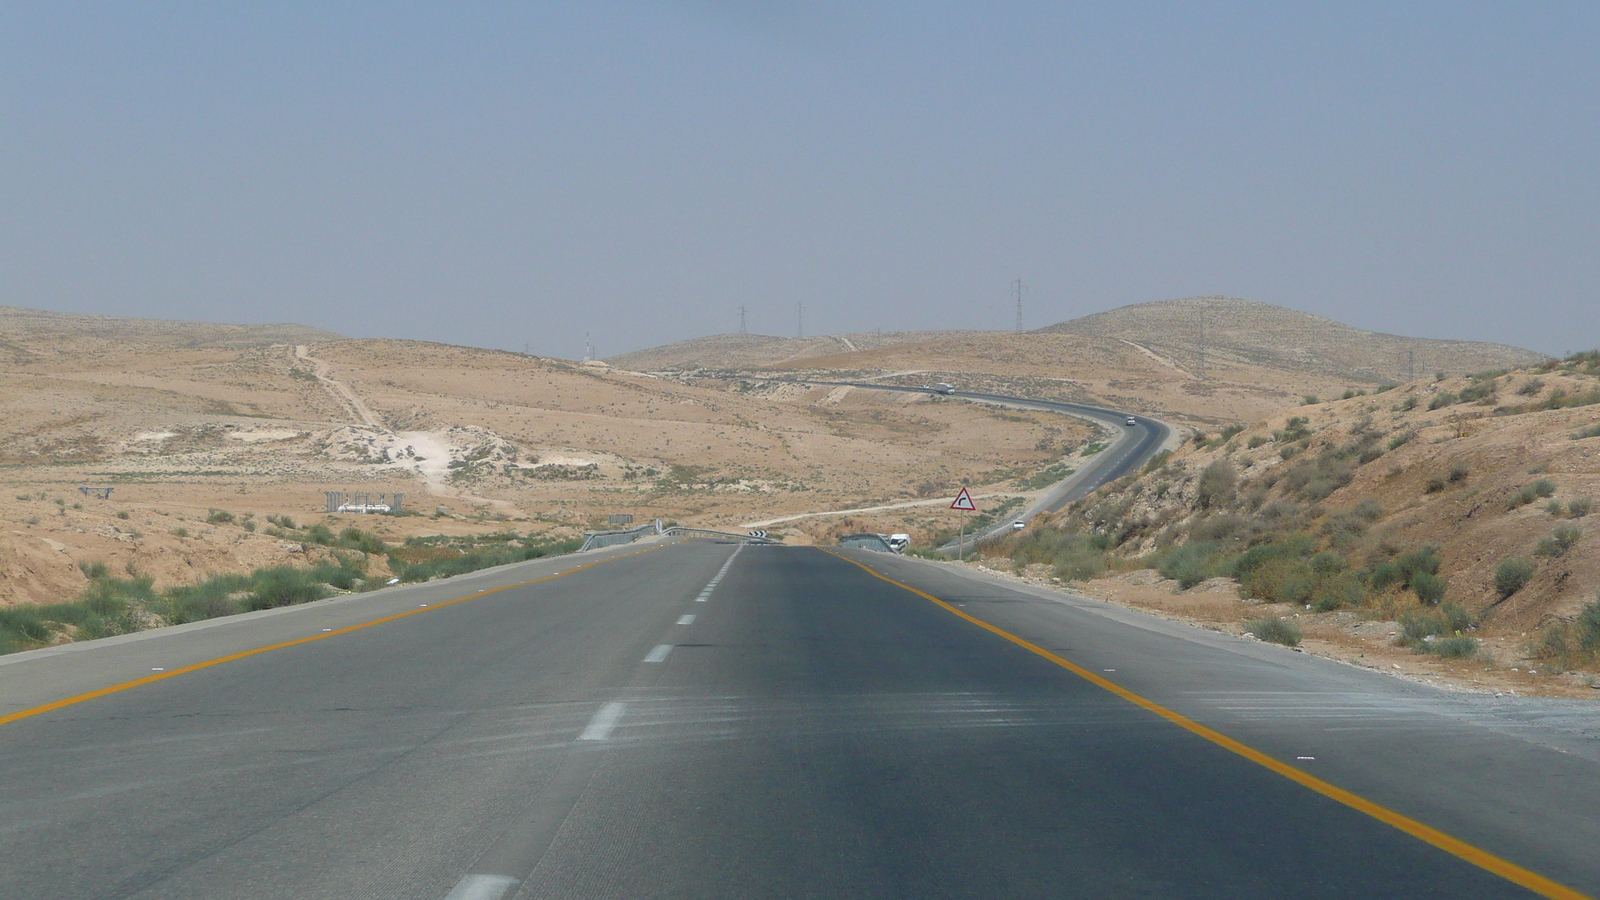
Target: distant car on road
899 542
1018 525
1132 421
942 388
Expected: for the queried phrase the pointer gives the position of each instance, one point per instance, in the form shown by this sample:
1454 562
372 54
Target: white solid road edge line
481 887
605 719
659 654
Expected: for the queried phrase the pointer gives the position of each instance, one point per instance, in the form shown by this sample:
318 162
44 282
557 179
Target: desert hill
1324 514
202 432
756 351
1271 336
30 331
1260 358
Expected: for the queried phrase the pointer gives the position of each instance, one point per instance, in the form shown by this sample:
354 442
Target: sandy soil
475 440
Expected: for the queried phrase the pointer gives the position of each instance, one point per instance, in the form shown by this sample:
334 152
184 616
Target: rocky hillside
1266 335
1458 512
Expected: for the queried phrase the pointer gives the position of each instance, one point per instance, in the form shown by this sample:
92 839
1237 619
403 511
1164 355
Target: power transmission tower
800 320
1411 363
588 348
741 321
1017 288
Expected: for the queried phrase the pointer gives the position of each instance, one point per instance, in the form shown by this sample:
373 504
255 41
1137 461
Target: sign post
964 503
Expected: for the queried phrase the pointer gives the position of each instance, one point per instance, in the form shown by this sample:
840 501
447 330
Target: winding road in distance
1132 447
697 719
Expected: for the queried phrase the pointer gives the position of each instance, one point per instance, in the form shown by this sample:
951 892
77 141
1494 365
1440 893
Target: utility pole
741 321
1411 363
1017 288
1202 342
800 320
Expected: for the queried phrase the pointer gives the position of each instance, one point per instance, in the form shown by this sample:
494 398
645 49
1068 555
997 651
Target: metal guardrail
713 533
867 541
595 539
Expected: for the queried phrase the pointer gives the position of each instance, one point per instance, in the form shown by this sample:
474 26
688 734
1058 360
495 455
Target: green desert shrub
284 586
219 595
22 627
1536 490
1416 628
1511 575
364 541
1194 562
1404 569
1337 592
1428 587
1558 542
1458 646
1218 485
1275 630
1296 428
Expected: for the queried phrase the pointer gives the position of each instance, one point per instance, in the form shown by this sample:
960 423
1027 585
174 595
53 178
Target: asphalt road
703 720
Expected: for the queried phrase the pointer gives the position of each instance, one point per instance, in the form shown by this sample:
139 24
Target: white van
899 542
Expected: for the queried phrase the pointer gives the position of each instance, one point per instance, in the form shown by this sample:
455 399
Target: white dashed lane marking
481 887
659 654
605 719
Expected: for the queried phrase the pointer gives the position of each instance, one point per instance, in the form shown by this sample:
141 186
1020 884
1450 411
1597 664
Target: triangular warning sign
964 501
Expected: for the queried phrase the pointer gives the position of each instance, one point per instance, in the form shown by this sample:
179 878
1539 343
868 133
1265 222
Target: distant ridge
1263 334
754 351
22 326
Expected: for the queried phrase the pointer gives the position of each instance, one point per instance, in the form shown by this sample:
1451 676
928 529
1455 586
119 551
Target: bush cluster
1537 490
1564 645
423 559
1558 542
112 606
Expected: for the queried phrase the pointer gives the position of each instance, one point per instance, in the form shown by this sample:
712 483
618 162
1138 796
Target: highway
698 719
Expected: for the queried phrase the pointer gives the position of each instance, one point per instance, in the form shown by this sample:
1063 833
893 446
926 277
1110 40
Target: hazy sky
497 174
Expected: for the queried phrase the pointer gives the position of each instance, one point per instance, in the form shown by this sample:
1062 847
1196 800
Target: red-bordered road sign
964 502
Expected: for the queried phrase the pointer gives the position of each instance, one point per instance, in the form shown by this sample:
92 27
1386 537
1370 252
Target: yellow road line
245 654
1483 859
